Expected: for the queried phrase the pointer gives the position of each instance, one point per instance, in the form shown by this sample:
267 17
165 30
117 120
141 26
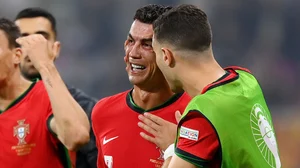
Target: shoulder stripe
238 68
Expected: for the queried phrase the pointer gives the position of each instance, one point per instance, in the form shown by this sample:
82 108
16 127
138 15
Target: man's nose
135 52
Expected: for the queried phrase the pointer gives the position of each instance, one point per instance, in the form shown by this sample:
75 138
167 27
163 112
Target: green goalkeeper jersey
238 112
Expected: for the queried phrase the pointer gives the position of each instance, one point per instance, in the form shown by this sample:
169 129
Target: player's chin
136 80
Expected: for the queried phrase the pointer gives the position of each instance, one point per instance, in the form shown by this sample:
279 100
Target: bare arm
70 122
166 163
177 162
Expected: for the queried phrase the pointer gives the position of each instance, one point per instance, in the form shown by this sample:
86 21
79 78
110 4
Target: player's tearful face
8 58
139 55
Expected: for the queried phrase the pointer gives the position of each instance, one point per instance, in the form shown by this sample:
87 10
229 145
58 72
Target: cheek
158 60
150 58
158 63
126 57
5 64
6 59
127 49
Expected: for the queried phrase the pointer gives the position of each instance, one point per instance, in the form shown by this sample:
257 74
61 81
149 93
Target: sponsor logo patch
189 133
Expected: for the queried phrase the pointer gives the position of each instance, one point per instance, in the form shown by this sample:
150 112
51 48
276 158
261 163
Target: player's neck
12 88
200 76
151 99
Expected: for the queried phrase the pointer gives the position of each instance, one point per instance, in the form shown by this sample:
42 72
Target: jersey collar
230 76
136 108
17 100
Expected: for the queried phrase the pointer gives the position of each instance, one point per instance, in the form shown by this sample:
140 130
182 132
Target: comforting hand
38 49
164 132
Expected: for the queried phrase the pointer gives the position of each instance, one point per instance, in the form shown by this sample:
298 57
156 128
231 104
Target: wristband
169 152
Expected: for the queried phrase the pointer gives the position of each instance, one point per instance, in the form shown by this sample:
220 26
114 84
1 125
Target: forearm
167 162
71 123
177 162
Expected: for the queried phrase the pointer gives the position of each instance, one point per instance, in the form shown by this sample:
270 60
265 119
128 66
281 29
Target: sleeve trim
48 125
197 161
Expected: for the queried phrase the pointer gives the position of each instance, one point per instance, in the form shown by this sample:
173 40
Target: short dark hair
185 27
149 13
11 31
38 12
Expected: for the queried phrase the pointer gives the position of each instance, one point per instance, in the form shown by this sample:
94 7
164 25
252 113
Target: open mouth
136 67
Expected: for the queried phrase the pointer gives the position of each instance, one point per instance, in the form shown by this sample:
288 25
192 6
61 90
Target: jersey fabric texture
115 123
236 108
26 140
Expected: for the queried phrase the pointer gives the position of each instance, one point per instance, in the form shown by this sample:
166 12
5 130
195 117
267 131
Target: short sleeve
197 141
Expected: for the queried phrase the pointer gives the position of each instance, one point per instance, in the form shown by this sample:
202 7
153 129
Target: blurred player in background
227 123
38 119
39 21
115 118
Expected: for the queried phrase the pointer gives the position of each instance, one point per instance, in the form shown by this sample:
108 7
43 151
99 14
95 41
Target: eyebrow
145 40
45 34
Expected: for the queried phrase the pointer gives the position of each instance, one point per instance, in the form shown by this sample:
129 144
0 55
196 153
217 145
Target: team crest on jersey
161 154
264 136
189 133
158 161
21 131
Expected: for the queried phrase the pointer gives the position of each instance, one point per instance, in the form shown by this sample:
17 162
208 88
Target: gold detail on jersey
160 160
20 131
161 153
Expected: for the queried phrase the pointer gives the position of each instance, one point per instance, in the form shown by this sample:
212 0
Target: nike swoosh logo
108 140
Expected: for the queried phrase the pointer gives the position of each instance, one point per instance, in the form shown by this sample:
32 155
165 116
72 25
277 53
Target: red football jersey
115 120
25 139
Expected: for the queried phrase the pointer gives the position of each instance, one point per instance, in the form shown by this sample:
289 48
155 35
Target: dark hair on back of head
149 13
38 12
185 27
11 31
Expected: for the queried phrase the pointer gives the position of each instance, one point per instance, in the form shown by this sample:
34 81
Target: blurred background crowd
261 35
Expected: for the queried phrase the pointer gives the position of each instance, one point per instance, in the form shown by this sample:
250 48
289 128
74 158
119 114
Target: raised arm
69 121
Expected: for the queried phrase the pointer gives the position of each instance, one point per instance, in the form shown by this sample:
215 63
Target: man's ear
56 49
18 54
168 57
